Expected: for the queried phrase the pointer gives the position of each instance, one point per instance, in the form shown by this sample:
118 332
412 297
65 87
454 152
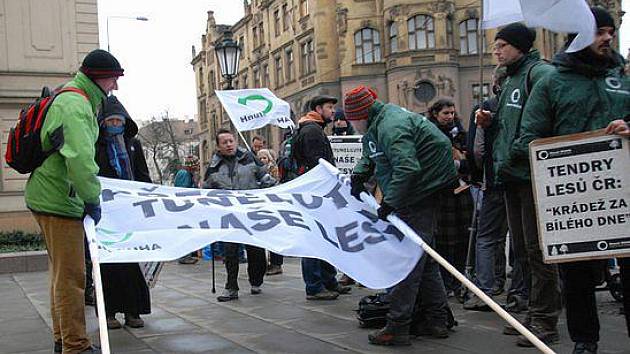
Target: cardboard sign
347 150
582 191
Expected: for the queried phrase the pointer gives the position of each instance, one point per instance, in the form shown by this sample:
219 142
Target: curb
19 262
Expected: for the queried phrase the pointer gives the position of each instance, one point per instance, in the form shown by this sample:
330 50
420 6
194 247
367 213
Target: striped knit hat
357 103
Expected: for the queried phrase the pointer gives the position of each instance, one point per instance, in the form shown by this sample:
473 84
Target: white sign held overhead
347 151
255 108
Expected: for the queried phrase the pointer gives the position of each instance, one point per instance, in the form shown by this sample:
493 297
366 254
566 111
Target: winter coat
311 143
577 97
409 155
505 129
238 172
67 179
184 178
134 150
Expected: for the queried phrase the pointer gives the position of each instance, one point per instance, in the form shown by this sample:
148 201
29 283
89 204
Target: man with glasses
524 69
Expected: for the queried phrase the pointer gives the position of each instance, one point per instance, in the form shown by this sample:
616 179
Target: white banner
347 150
311 216
254 108
571 16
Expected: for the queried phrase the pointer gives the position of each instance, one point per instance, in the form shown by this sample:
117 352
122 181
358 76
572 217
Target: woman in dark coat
119 155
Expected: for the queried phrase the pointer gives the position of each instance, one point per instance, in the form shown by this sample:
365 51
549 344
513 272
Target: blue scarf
117 152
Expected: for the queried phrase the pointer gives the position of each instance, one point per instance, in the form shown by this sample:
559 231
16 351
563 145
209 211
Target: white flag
312 216
570 16
254 108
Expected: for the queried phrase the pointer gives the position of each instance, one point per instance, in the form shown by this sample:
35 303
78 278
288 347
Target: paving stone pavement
186 318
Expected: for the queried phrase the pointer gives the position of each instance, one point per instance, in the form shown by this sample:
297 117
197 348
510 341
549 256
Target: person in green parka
587 91
413 163
65 188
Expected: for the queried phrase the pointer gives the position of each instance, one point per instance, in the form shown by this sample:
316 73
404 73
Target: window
211 81
393 37
201 86
290 64
303 8
261 38
244 81
486 91
421 32
256 78
449 33
468 36
367 46
308 57
278 67
265 75
276 22
286 16
425 91
255 36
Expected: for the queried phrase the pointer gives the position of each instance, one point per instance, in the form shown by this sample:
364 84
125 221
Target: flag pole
480 49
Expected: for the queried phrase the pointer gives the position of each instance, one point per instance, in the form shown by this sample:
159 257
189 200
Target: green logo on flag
124 238
244 100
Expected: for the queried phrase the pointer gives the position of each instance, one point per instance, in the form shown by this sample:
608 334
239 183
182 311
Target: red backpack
24 147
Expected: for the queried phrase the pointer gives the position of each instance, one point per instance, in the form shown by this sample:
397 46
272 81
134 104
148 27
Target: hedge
16 241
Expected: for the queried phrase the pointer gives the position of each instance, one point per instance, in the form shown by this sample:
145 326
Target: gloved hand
384 211
93 210
356 183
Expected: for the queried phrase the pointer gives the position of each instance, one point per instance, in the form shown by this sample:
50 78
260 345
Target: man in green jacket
586 92
524 69
65 188
412 162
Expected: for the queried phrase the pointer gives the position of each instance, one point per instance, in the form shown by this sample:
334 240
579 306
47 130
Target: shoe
228 295
323 295
58 347
256 290
497 289
426 330
585 348
133 321
112 323
516 304
390 336
90 300
274 269
188 260
474 303
92 349
346 280
546 336
342 290
509 330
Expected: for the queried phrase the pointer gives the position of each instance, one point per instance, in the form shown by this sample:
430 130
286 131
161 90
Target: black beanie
100 64
518 35
602 17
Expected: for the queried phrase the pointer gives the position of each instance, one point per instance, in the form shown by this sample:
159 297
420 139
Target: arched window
367 46
468 36
421 32
393 37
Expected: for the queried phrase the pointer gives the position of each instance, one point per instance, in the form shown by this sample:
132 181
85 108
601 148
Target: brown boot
391 335
133 321
112 323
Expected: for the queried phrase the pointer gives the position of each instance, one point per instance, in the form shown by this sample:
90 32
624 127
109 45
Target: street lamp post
138 18
228 54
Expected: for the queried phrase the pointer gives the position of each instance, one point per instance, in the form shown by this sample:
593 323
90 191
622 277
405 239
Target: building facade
411 52
39 46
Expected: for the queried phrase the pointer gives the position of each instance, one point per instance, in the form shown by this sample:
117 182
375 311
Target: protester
65 188
586 91
309 145
456 207
234 168
413 164
258 143
119 155
490 261
266 156
187 177
524 69
341 126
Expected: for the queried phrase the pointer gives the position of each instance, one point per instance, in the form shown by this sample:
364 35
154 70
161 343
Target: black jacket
311 144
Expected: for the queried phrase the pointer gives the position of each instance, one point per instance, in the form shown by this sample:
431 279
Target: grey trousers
426 274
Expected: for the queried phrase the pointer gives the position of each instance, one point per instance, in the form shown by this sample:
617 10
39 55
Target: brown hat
357 103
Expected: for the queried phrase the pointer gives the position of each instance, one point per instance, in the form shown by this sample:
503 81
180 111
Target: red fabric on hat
357 103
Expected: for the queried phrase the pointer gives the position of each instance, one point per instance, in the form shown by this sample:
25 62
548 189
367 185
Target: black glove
384 211
93 210
356 183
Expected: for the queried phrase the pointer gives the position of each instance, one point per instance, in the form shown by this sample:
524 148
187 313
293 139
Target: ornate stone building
39 46
410 51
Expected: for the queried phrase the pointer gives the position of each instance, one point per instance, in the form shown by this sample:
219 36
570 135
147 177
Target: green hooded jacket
577 97
410 156
511 102
67 179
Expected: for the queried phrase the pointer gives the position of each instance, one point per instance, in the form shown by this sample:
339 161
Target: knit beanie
357 103
518 35
602 17
100 64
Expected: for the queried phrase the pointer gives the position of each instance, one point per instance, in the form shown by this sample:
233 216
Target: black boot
391 335
585 348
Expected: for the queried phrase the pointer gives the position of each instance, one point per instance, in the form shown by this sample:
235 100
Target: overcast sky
156 54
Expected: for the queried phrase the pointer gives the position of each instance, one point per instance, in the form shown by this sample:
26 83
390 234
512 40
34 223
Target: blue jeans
317 275
490 234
